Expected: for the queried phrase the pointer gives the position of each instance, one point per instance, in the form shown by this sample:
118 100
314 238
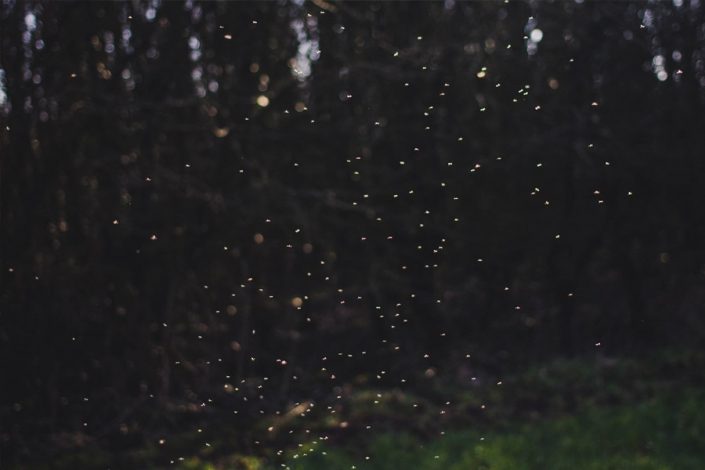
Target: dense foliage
217 212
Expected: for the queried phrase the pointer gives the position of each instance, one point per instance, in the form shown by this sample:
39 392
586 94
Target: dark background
205 202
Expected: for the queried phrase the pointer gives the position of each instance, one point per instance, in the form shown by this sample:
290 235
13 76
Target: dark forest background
214 211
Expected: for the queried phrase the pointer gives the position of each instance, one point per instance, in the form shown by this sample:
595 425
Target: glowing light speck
536 35
262 101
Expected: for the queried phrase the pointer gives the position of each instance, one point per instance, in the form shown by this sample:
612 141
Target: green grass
646 413
664 434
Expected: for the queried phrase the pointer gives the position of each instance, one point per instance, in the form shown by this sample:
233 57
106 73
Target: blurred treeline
233 207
